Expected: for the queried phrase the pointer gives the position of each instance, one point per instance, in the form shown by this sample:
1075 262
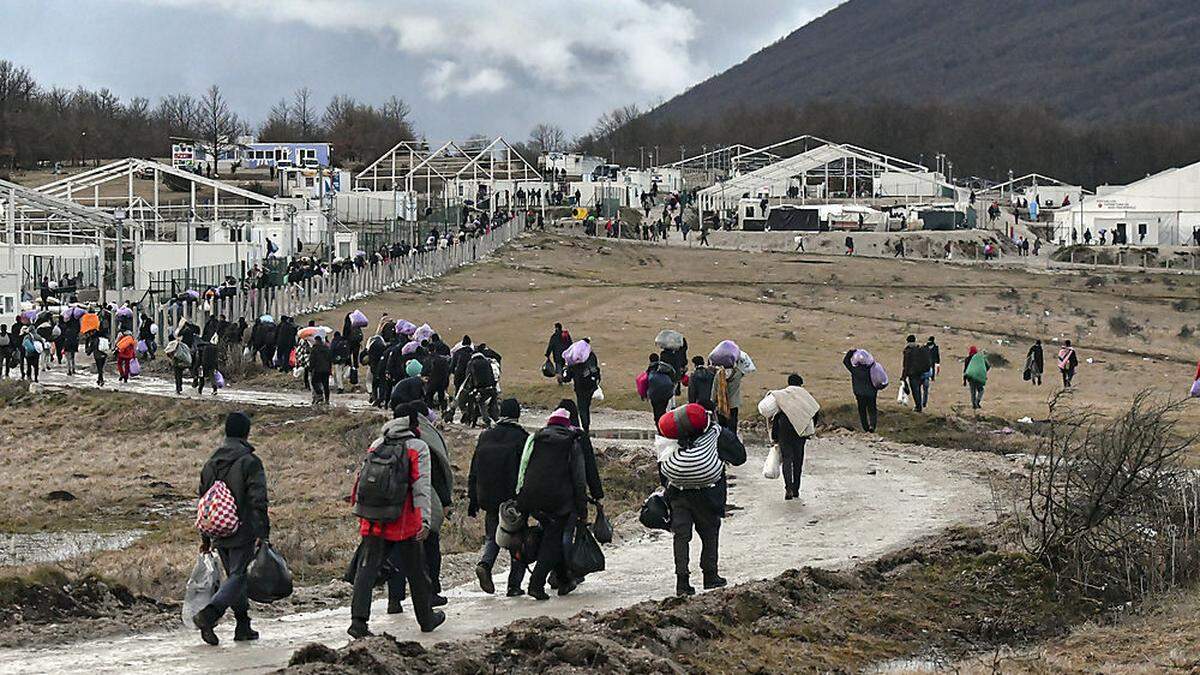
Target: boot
395 606
514 592
436 620
483 573
682 587
714 580
243 632
538 592
437 600
206 620
565 586
358 629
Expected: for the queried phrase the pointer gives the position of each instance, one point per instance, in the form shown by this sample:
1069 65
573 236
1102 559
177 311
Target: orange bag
89 323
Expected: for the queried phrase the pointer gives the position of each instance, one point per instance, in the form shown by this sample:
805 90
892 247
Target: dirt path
862 498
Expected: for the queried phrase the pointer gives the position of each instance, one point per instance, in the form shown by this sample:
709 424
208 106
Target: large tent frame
413 167
850 166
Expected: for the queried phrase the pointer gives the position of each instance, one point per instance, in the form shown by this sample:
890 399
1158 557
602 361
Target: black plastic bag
268 578
601 527
586 556
354 376
531 542
656 511
548 369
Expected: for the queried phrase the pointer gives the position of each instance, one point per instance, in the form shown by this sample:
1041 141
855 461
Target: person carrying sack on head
391 497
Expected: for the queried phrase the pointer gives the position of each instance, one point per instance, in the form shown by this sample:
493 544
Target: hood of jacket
230 451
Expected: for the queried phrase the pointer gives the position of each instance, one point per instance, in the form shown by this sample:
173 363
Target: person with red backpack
392 499
232 517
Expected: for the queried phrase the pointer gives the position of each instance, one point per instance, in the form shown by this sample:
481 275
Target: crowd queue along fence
325 292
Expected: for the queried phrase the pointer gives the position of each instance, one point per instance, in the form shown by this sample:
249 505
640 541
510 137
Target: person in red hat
693 472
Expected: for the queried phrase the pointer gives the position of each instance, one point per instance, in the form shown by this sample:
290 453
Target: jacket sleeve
256 493
419 471
846 361
591 472
730 448
578 479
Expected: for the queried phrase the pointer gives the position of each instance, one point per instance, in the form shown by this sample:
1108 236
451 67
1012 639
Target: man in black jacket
585 378
864 392
285 342
374 357
320 367
916 369
242 471
558 343
493 481
554 491
700 384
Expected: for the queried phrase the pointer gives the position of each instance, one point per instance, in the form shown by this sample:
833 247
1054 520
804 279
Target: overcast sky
465 66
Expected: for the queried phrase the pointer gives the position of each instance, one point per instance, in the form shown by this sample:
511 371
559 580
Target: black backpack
383 483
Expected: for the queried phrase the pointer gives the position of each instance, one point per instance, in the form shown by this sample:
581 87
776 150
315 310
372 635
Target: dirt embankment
948 596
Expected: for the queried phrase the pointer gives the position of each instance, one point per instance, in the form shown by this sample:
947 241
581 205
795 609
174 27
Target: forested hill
1088 60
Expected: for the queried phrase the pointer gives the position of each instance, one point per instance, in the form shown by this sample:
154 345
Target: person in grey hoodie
235 463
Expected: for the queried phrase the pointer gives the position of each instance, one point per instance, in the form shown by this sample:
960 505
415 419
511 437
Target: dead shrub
1111 508
1122 326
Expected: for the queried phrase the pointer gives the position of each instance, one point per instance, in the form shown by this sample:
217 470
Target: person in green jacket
975 369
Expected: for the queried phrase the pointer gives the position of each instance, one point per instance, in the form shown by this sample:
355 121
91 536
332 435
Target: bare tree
280 125
304 115
178 113
219 126
547 138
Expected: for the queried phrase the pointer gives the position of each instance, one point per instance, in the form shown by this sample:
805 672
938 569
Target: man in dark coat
700 384
560 339
553 489
660 386
585 378
864 392
320 367
235 463
917 365
285 342
493 481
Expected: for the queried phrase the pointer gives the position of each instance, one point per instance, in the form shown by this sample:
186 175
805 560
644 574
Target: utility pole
119 214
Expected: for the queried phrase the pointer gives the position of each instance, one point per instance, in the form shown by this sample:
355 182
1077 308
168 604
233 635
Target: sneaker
484 574
438 600
436 620
358 630
714 581
565 587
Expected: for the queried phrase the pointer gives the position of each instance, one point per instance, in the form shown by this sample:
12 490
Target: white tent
1159 210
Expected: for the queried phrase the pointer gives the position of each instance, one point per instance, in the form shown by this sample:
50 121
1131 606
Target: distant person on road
849 245
791 417
392 496
98 348
1068 361
865 392
975 369
1035 364
799 243
559 340
660 385
899 249
493 481
235 464
917 365
126 352
696 488
320 368
585 378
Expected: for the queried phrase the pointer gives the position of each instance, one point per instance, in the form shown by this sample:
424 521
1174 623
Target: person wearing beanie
552 488
236 464
493 481
693 471
396 530
917 365
591 472
791 417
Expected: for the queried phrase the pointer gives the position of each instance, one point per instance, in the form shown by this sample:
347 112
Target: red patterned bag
216 513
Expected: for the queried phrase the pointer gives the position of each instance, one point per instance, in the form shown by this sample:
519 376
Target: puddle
915 664
47 547
624 434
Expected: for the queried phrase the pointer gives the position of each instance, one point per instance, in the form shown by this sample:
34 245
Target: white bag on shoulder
772 467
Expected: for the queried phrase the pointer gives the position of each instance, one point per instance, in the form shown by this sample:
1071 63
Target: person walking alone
1035 364
493 481
865 392
235 464
975 369
791 415
585 378
1068 361
560 339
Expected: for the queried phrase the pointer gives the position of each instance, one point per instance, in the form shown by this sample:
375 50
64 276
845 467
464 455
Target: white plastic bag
902 396
768 407
246 353
202 585
746 364
772 467
598 395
